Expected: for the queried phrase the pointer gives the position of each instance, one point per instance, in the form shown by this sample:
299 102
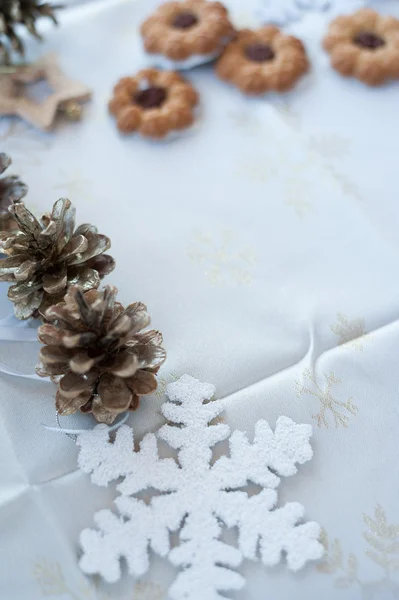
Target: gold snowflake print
330 146
383 549
51 580
262 167
223 259
351 332
259 169
288 114
297 191
302 207
341 411
348 187
145 590
383 540
248 123
73 184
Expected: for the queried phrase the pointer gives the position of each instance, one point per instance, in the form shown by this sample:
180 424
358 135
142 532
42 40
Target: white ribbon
8 371
73 433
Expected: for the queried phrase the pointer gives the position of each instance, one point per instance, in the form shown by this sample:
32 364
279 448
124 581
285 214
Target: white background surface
245 238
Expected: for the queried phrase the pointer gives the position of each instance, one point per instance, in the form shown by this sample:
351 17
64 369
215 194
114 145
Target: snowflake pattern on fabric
282 12
197 497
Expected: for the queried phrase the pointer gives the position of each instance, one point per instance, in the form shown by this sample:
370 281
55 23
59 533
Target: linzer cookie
263 60
364 45
181 35
153 103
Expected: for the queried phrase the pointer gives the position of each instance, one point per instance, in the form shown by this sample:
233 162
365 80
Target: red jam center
185 20
369 40
152 97
259 52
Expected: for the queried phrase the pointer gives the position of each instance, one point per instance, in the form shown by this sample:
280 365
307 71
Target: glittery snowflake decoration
282 12
197 497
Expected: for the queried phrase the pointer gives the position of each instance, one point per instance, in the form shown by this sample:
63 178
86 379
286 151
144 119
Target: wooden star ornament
67 94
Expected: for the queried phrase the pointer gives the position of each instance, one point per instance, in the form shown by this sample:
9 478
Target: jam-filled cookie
263 60
364 45
153 103
181 35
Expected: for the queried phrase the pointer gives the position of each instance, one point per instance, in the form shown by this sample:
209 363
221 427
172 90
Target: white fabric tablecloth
264 243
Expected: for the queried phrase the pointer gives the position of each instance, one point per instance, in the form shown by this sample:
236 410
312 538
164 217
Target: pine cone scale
28 306
15 244
27 222
65 317
68 406
101 414
85 229
114 393
142 384
82 363
54 284
12 263
75 247
137 312
149 355
149 337
21 290
73 385
54 355
79 340
25 271
12 189
103 264
96 244
50 335
5 160
55 371
125 365
63 215
86 312
119 327
85 278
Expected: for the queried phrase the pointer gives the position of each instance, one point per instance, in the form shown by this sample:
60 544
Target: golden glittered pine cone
12 189
98 354
14 13
47 256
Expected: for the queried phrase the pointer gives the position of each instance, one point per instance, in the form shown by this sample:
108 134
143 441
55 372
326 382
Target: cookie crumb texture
179 30
153 103
263 60
364 45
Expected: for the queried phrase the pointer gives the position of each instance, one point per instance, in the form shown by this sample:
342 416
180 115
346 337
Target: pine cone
46 257
94 351
25 12
11 190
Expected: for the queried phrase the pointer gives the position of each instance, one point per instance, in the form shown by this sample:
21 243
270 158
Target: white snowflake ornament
197 498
